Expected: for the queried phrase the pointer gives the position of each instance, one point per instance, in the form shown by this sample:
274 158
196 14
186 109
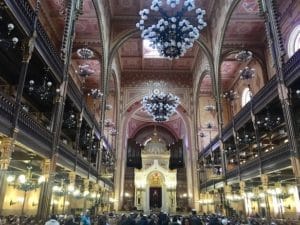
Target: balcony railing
25 15
291 68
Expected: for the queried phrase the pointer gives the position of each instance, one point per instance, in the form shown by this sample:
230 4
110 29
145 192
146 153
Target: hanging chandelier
247 73
160 105
43 89
244 56
172 35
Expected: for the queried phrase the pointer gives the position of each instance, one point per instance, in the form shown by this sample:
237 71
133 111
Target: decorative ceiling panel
132 47
157 64
131 63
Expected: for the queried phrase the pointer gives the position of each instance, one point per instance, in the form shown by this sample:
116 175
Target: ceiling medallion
172 35
160 105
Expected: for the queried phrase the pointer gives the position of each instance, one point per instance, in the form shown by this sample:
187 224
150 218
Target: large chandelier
172 35
160 105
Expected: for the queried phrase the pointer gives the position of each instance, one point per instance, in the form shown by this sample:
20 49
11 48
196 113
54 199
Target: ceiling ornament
174 34
160 105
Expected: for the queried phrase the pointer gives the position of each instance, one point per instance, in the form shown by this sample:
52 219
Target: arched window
246 96
294 41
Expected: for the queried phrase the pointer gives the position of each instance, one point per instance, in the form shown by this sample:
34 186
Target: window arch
294 41
246 96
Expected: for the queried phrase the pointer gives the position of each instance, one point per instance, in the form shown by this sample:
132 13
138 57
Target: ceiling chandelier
160 105
42 88
95 93
85 70
244 56
85 53
172 35
247 73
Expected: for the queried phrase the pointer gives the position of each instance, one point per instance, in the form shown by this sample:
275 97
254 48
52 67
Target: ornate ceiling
245 28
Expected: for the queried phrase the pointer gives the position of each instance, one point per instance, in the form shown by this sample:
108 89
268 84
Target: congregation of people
138 218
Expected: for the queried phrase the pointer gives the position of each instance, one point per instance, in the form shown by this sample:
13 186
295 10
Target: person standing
85 219
194 219
52 221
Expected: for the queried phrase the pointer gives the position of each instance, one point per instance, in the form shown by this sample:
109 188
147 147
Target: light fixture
85 70
108 107
26 182
95 93
269 122
85 53
7 39
43 89
209 108
230 95
172 35
247 73
244 56
113 131
70 119
160 105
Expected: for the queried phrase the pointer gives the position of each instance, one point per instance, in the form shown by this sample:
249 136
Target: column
5 150
67 44
265 183
95 195
46 188
227 192
242 185
86 184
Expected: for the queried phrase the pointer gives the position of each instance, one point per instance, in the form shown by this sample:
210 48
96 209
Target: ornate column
265 183
270 12
46 170
242 185
5 150
227 192
73 8
86 187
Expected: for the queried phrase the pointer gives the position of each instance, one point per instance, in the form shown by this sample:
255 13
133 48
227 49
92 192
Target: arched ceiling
245 28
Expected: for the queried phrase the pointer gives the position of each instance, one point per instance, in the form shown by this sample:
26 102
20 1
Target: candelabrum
172 35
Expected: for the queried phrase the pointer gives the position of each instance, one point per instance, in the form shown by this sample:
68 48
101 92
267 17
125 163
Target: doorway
155 197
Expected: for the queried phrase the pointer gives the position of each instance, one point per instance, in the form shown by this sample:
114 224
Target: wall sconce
34 204
12 203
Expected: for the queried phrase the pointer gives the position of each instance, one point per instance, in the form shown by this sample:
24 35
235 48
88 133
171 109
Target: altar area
155 183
